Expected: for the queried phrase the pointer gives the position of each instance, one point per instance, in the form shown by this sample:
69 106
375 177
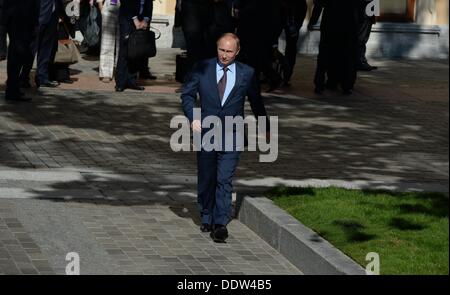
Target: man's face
227 51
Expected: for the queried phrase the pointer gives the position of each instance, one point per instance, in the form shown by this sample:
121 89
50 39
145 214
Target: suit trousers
47 47
110 40
215 175
3 44
19 52
291 52
365 29
126 71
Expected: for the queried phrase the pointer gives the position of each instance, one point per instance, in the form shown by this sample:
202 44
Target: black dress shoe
119 89
219 234
136 87
365 67
205 227
50 84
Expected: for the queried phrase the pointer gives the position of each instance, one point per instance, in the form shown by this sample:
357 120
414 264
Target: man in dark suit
223 85
258 27
133 15
50 11
338 44
203 22
20 17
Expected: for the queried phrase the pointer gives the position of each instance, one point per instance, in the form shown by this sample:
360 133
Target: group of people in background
34 27
345 30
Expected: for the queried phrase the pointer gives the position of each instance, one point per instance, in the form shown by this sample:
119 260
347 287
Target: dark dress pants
291 52
3 46
363 37
215 175
47 47
19 51
126 71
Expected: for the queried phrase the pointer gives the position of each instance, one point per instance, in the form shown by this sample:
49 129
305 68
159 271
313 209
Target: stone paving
88 170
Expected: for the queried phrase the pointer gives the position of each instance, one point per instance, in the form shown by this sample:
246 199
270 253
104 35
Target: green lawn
408 230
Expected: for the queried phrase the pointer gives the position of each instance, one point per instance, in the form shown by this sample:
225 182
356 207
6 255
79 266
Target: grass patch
408 230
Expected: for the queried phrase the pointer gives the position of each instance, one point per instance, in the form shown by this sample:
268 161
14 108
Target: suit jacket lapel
239 78
213 81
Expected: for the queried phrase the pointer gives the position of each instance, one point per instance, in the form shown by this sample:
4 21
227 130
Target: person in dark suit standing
338 44
223 85
293 14
50 11
133 15
20 17
203 22
365 28
258 27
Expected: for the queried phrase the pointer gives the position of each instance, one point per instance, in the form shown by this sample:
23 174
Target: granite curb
299 244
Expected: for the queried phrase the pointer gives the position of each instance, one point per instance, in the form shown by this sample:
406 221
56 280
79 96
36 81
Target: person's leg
226 167
47 46
17 51
123 76
207 167
364 31
3 44
110 18
348 63
322 65
291 52
28 62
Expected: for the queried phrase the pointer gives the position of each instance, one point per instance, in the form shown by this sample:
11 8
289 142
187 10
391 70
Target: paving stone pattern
89 170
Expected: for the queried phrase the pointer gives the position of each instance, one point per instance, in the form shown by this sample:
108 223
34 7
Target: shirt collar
231 68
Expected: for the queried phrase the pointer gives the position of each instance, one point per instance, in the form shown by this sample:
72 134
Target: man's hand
144 25
137 23
140 25
196 126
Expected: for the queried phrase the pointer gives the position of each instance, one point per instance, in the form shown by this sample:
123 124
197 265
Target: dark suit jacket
46 10
23 11
338 16
202 80
130 9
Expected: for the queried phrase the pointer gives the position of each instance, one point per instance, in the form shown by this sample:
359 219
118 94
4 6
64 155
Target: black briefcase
181 70
141 44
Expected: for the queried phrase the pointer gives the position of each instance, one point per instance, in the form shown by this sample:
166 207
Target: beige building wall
164 7
442 12
428 12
